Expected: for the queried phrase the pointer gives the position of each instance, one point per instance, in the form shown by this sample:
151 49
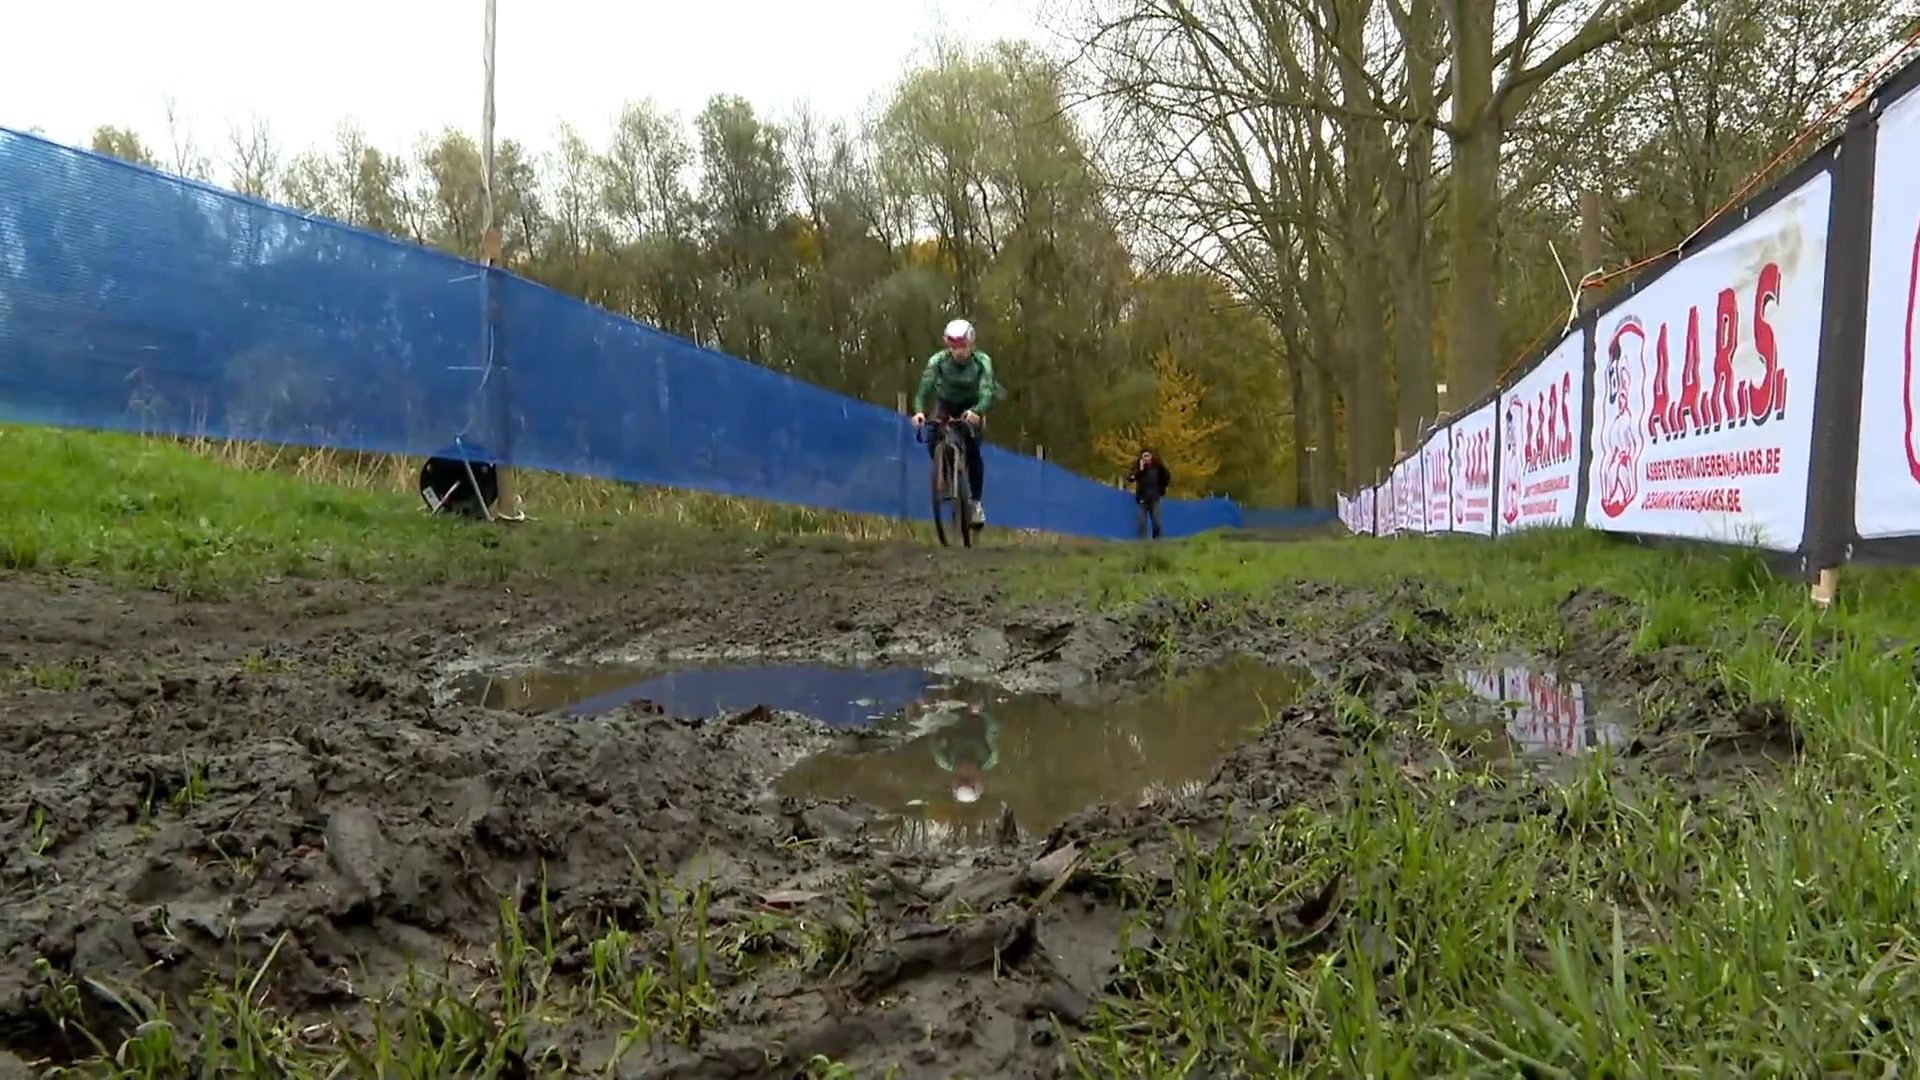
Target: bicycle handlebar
929 422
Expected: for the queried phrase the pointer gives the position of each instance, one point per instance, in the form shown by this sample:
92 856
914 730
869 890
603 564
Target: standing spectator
1150 479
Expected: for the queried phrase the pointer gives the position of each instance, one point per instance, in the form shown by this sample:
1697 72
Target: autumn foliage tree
1179 431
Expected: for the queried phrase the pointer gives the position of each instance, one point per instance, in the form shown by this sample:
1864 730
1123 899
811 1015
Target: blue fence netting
136 301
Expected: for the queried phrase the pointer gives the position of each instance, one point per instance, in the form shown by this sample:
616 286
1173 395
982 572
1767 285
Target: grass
205 518
1643 928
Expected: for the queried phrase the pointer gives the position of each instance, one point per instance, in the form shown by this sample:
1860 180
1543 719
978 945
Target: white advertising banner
1472 460
1887 484
1438 476
1543 713
1413 516
1383 507
1367 505
1540 440
1703 415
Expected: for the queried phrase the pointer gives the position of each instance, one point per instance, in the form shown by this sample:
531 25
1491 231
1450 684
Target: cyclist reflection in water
966 746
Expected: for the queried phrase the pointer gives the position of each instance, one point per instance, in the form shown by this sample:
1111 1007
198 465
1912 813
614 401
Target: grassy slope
151 513
208 518
1755 930
1643 932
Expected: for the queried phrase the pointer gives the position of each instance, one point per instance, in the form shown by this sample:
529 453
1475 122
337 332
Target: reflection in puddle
978 750
844 697
1545 714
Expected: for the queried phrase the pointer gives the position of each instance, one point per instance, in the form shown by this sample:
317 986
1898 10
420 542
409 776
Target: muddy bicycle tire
955 495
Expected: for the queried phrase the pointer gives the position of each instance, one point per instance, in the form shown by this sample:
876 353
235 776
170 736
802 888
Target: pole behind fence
1835 446
494 363
1593 246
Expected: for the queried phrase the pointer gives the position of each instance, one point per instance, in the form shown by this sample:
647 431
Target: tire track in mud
210 784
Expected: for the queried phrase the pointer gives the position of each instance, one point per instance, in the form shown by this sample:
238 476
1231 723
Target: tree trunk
1410 265
1473 307
1322 459
1302 424
1363 278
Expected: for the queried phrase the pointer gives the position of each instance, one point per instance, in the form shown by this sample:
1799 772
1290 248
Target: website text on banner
137 301
1471 458
1540 440
1703 427
1437 475
1887 481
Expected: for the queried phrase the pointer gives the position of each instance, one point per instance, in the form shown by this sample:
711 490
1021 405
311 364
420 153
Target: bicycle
951 485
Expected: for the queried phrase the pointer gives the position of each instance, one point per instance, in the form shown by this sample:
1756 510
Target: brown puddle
975 751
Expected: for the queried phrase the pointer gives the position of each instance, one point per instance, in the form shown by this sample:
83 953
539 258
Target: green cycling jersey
957 382
971 739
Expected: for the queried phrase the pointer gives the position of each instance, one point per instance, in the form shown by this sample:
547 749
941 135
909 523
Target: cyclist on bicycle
966 746
959 379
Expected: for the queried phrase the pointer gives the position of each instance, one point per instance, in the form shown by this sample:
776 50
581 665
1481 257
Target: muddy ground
184 785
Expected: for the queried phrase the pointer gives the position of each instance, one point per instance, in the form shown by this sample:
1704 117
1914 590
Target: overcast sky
405 66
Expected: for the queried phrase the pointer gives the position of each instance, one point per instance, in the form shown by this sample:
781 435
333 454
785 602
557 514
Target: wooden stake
1826 586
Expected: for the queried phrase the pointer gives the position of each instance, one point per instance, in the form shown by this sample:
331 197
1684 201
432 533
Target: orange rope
1597 279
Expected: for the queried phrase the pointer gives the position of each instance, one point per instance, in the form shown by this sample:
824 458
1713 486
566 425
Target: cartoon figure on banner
1913 383
1459 449
1624 404
1512 445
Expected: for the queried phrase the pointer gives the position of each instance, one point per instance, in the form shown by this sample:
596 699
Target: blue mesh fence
136 301
132 301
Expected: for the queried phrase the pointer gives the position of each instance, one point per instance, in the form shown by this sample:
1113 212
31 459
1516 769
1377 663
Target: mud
188 789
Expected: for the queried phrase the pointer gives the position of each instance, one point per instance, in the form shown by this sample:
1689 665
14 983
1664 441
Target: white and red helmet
959 334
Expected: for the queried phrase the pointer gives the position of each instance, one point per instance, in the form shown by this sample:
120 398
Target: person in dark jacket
1150 479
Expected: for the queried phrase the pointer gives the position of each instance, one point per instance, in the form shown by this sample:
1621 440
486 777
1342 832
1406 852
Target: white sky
402 67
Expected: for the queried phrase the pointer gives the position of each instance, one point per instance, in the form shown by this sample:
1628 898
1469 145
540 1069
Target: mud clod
1003 936
359 851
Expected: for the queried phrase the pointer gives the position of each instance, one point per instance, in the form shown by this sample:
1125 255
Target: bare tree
253 157
188 159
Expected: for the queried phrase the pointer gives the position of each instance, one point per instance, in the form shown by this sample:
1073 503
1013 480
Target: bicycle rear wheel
962 500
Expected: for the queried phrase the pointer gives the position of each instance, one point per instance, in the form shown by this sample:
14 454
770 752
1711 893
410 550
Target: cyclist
966 746
959 379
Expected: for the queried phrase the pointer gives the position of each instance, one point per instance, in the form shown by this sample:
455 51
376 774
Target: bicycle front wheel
942 463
